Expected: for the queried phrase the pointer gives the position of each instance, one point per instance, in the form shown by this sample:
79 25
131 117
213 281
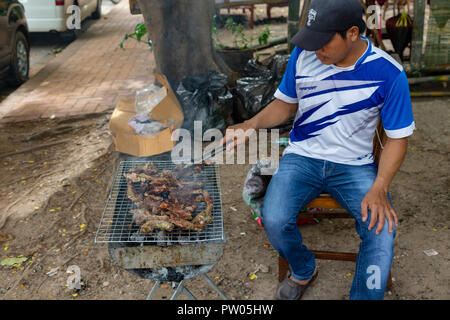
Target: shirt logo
311 16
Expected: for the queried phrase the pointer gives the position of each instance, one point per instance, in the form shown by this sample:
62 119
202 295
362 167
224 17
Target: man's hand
376 199
274 114
377 202
237 134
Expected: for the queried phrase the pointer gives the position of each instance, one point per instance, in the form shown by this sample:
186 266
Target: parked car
52 15
14 43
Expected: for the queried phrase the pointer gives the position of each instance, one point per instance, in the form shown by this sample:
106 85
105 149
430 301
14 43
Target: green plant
240 40
139 31
264 36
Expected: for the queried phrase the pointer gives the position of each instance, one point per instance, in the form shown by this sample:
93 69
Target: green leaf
12 261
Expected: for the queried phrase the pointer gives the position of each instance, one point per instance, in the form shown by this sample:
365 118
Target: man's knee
383 241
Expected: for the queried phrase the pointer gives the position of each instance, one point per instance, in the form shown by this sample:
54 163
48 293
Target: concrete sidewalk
91 75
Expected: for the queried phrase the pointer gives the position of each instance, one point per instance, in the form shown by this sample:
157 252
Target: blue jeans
297 182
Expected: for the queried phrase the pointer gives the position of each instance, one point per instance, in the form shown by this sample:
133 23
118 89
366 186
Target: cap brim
311 40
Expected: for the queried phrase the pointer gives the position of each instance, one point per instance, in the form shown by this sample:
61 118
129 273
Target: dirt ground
61 232
54 230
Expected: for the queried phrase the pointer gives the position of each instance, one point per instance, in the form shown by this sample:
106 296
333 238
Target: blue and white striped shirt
338 108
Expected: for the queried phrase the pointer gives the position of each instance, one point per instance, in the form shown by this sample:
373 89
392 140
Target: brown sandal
291 290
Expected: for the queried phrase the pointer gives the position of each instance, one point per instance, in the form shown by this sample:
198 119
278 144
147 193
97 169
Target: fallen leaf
12 261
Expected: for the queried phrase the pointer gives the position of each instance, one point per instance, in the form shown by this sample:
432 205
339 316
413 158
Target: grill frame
114 226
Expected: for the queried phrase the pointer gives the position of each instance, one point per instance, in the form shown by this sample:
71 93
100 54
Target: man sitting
339 85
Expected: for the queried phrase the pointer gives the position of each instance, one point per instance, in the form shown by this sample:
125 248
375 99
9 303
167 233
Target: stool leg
283 268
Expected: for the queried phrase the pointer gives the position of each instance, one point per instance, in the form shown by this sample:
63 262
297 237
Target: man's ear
353 33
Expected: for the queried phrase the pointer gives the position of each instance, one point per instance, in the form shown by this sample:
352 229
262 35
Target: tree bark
181 33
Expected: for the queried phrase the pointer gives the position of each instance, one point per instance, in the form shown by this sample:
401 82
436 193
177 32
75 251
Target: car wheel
20 61
97 14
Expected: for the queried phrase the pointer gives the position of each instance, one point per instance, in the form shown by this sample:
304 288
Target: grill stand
179 287
125 256
171 262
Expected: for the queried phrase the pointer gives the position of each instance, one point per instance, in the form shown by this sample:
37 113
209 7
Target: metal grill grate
117 225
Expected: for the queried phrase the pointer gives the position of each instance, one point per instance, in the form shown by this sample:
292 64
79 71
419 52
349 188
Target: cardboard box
125 138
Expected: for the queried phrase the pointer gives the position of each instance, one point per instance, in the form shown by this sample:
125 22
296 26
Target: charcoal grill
163 256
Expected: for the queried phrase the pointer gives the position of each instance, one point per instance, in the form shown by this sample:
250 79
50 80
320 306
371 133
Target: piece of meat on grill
186 197
152 203
156 224
150 222
137 177
175 209
147 168
182 223
205 217
133 195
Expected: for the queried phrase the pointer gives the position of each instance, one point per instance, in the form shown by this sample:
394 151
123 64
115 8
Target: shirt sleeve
287 89
396 113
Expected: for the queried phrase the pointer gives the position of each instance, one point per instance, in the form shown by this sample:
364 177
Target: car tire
97 14
20 61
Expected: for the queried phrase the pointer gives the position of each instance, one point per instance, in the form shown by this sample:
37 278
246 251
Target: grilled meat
167 198
205 217
151 225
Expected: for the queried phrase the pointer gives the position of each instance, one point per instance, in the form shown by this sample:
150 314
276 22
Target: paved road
46 46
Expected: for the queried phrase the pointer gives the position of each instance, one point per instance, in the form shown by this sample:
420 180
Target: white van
52 15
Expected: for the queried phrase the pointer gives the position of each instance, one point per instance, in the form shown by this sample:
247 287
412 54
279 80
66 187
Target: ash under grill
117 225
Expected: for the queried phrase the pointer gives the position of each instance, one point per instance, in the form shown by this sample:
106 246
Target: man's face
338 48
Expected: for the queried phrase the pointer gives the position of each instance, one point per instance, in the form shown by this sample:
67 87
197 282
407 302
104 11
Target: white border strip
280 95
401 133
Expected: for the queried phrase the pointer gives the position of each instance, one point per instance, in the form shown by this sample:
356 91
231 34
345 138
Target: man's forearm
391 159
276 113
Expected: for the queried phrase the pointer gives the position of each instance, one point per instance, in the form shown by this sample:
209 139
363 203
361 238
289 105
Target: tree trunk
180 31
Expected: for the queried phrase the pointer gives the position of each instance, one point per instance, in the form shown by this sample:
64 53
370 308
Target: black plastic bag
256 90
206 98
